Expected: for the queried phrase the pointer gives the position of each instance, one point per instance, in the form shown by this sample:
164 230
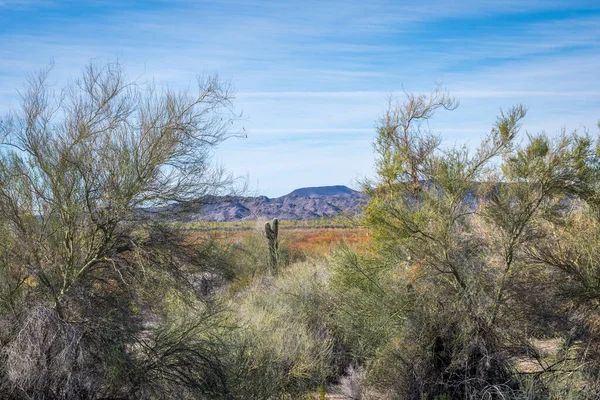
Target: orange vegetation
304 242
300 243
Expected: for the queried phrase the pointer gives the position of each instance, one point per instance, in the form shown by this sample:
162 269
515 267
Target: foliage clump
468 270
88 267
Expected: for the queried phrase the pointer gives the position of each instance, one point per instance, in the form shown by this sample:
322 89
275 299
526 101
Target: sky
313 77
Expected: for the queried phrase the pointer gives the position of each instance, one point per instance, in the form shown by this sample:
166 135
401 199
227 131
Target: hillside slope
303 203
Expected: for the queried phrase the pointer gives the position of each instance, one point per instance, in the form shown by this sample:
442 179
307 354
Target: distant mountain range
304 203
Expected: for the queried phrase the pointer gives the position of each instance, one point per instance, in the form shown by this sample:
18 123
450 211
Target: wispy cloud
313 76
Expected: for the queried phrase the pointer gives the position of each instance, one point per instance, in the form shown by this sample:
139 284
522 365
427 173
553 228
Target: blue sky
312 76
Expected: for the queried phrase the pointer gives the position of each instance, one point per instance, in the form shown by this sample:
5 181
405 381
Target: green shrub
286 348
249 258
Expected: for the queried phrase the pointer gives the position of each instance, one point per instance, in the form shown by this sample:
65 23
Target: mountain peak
323 191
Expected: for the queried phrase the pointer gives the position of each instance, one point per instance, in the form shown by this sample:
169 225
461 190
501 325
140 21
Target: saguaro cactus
272 231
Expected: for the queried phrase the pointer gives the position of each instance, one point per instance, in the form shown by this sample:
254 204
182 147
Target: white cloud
314 76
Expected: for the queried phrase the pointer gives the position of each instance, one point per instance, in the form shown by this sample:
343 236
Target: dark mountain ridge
323 191
303 203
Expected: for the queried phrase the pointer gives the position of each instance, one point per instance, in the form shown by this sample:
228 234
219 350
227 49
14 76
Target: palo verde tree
483 248
424 211
88 271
